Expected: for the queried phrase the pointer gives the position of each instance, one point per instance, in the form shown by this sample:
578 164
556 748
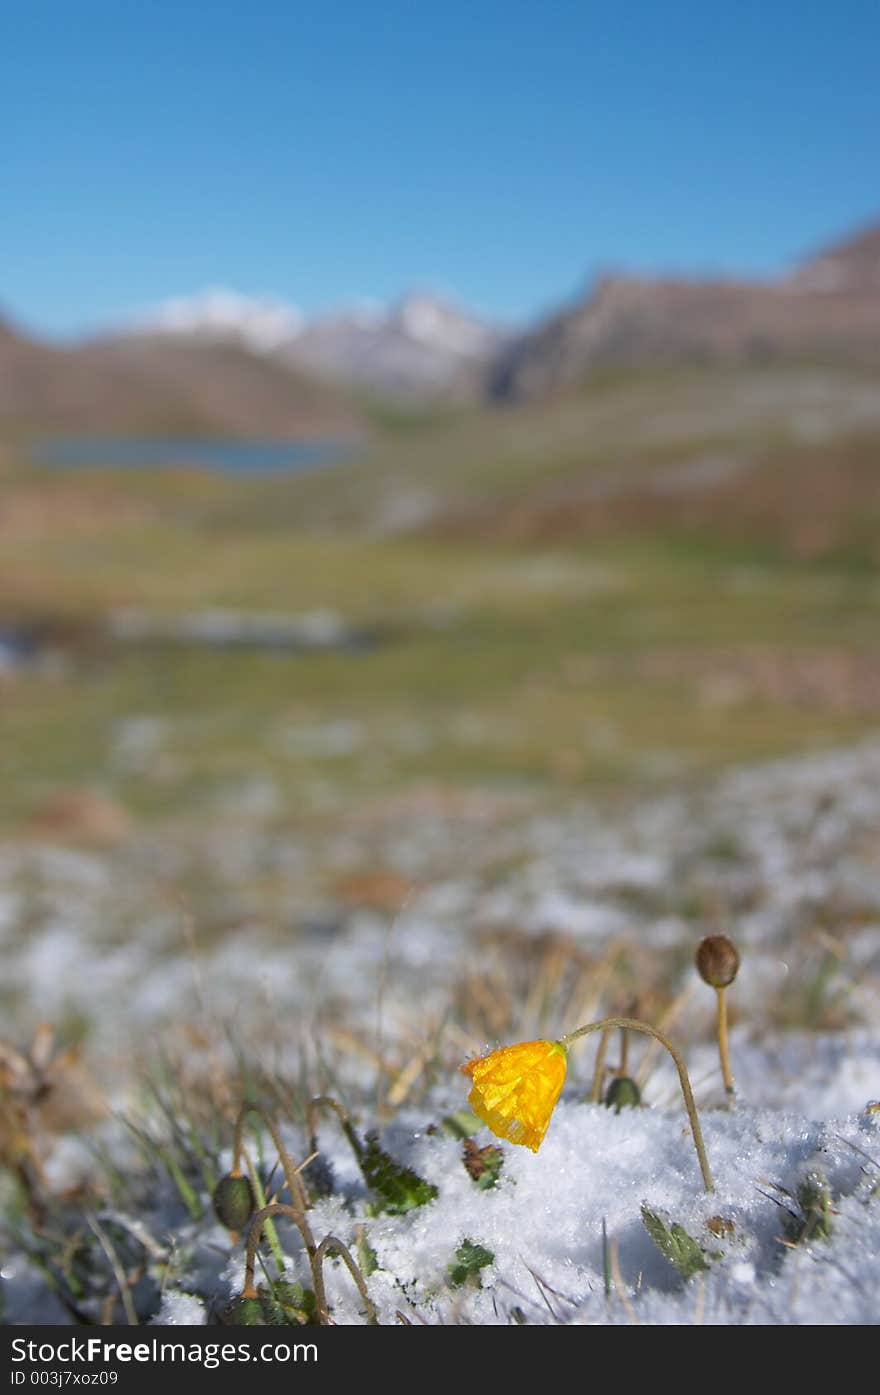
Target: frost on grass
791 1233
509 906
181 1310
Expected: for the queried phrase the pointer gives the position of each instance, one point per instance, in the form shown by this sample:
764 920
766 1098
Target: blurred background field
646 578
473 615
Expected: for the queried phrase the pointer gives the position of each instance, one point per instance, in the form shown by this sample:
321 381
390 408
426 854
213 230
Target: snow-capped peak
439 323
263 323
424 343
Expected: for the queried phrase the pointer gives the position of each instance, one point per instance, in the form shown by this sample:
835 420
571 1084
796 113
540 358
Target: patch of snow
261 322
181 1309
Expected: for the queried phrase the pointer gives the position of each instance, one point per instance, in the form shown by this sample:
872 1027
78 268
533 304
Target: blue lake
221 457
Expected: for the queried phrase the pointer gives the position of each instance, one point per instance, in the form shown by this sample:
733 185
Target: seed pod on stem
623 1092
234 1200
717 960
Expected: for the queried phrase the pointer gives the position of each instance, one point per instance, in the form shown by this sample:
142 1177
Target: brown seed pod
717 960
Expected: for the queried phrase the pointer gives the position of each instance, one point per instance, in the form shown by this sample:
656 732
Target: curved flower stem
298 1202
294 1184
599 1067
319 1102
330 1244
722 1043
281 1208
630 1024
624 1052
260 1199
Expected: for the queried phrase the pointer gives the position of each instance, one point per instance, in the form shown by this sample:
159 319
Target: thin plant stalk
297 1208
624 1052
319 1102
606 1261
119 1273
329 1245
620 1285
630 1024
599 1067
723 1050
255 1231
294 1184
261 1200
717 961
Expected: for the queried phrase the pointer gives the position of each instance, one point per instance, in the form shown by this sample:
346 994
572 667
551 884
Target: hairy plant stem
255 1231
260 1198
319 1102
294 1184
722 1043
624 1052
329 1245
296 1209
630 1024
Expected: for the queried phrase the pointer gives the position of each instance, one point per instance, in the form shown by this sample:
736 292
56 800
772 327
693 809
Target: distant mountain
224 363
850 267
260 323
830 305
154 386
423 347
45 386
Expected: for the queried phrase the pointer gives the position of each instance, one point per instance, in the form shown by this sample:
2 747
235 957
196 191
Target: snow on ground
543 1222
785 856
782 853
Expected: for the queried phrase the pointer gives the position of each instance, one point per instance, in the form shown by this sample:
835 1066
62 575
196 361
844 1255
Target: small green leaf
273 1311
675 1244
813 1222
470 1258
483 1164
244 1312
297 1303
366 1255
398 1188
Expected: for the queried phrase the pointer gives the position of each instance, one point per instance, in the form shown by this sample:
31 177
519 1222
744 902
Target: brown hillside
162 387
830 308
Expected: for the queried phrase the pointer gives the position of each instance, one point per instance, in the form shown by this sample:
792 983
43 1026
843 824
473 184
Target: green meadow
651 578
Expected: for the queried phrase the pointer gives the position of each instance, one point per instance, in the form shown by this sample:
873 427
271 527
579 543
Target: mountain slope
829 307
228 388
851 266
131 386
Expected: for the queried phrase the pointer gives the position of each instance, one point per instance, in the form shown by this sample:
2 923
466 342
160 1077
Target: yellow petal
516 1088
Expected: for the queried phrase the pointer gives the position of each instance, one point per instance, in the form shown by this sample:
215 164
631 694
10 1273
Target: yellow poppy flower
516 1088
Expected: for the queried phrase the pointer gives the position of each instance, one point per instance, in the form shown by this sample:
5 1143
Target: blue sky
499 150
